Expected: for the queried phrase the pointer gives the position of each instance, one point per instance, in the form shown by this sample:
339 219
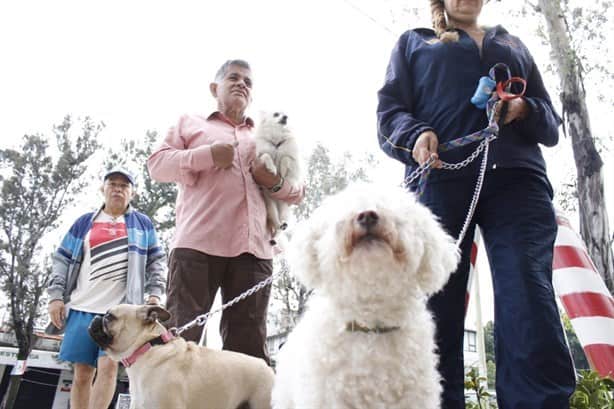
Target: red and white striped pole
586 299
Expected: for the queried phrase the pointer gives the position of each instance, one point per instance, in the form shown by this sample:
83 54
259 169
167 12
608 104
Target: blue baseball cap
120 171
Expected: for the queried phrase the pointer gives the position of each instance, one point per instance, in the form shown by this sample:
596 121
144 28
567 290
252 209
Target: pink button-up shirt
219 212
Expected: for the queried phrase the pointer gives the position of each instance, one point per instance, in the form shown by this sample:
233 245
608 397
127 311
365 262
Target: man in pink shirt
221 239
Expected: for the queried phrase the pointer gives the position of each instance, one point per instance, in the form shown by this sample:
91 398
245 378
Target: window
470 341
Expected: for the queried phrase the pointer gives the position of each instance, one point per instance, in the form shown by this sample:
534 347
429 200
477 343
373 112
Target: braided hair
440 24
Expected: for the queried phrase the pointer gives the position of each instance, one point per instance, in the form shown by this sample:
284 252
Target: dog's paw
268 163
270 166
283 226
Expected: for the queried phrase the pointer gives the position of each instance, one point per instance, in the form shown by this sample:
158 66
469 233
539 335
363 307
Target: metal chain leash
202 319
492 130
449 166
476 191
465 162
418 172
483 146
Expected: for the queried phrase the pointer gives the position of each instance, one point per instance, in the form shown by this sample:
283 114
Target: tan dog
172 373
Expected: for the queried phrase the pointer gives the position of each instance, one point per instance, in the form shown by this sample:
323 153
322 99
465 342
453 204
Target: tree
489 350
37 185
489 341
491 374
155 199
594 225
475 383
324 177
577 352
587 31
592 391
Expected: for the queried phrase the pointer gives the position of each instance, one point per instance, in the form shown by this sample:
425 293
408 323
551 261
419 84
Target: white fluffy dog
276 146
367 340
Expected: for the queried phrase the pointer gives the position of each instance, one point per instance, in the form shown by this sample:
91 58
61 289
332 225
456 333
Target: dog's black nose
284 120
367 219
97 333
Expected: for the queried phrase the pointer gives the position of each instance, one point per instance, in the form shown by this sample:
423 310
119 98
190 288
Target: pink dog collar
160 340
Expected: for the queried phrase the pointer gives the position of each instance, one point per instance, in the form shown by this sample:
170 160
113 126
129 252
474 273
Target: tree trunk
594 227
12 390
10 397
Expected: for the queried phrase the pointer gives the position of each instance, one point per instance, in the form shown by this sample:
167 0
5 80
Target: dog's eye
276 114
109 317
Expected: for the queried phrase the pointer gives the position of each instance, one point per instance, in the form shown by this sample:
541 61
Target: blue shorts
77 345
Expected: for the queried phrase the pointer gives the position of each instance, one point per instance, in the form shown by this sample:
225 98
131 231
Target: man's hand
57 313
426 147
262 176
517 108
223 154
153 300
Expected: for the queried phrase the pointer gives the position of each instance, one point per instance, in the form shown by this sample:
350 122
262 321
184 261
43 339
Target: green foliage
489 341
577 352
489 347
324 177
592 392
491 370
157 200
475 383
37 183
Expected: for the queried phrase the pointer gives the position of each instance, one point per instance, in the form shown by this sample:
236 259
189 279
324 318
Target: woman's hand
517 108
426 147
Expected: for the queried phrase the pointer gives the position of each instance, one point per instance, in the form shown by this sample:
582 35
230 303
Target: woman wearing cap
426 101
108 257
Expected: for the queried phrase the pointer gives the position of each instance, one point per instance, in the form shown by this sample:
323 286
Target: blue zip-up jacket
428 86
146 259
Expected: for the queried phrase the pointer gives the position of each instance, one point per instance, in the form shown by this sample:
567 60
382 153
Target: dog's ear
303 254
440 255
150 313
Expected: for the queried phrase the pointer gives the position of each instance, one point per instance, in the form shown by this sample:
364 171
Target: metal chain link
483 146
202 319
449 166
470 158
476 194
418 172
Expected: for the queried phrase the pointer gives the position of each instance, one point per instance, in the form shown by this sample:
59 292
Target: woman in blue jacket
425 102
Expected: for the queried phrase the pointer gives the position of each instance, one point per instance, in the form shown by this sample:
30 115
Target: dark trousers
517 220
193 281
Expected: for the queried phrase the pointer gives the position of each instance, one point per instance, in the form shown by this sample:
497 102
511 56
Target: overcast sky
138 65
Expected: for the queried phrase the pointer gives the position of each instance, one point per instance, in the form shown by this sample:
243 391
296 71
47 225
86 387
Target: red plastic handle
506 96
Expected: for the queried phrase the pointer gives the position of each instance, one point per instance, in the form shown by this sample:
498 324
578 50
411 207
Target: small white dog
367 340
276 146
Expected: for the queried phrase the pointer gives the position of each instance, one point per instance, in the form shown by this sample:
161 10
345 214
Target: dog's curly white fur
373 256
277 147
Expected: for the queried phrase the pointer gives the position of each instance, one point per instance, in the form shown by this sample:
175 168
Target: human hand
57 313
262 175
153 300
517 108
426 147
223 154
